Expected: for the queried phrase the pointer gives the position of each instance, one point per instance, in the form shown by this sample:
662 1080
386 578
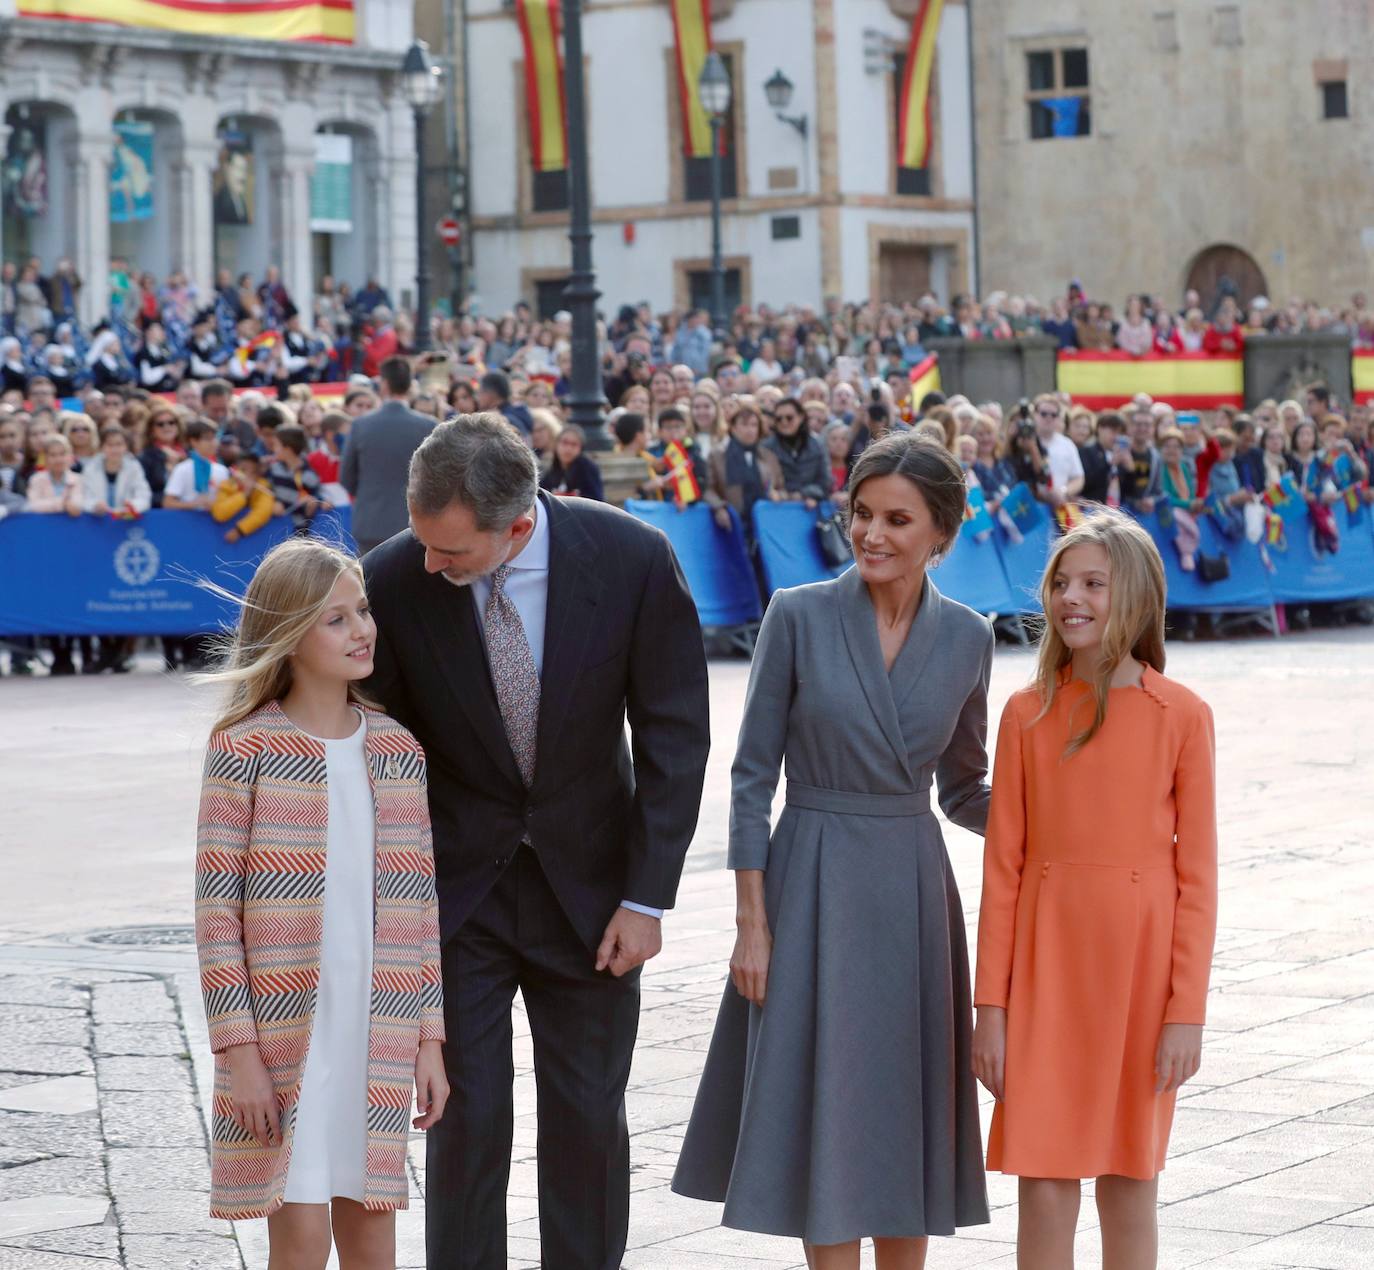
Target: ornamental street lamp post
713 86
420 78
586 397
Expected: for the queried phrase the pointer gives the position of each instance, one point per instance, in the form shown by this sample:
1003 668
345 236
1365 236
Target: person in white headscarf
13 372
105 360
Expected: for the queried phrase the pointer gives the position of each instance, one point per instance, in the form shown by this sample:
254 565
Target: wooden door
903 272
1224 269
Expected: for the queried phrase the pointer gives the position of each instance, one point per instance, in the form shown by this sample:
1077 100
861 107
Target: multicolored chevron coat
260 862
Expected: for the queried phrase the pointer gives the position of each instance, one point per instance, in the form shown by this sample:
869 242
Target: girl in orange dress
1099 904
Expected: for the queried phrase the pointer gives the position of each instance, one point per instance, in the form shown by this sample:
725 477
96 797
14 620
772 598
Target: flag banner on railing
313 21
545 105
913 142
925 377
692 32
1187 381
1362 374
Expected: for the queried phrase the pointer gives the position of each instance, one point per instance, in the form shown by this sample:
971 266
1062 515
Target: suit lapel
861 637
569 620
450 617
920 643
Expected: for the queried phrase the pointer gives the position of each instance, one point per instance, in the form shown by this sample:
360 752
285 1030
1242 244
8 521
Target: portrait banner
131 174
26 168
233 180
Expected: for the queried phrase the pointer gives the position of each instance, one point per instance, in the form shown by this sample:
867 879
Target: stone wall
996 370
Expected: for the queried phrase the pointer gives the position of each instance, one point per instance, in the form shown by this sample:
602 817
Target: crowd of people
727 421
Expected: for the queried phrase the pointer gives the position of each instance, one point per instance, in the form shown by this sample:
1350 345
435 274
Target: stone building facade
1210 138
63 86
805 216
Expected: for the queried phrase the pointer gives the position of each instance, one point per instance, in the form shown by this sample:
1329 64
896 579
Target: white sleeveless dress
329 1150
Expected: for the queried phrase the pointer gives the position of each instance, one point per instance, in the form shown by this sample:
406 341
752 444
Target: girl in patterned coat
316 923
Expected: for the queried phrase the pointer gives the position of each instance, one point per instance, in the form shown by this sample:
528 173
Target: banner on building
131 173
315 21
1362 375
331 184
25 176
914 134
545 104
233 180
692 32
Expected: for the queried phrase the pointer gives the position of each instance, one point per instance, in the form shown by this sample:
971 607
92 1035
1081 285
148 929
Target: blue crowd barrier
1023 563
972 573
88 575
1302 575
714 561
1248 586
789 547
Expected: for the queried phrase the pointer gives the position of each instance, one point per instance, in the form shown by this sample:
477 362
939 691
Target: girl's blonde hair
1135 613
288 593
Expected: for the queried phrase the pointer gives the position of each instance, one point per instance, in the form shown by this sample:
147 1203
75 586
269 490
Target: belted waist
848 802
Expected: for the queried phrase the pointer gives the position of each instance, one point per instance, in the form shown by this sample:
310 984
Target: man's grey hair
477 460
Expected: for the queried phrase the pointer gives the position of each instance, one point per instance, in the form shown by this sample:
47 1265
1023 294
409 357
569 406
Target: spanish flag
683 480
311 21
913 139
1187 381
1362 372
246 353
925 377
544 100
692 32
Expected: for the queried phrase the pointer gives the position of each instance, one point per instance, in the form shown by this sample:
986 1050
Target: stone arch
1225 269
154 243
42 195
246 193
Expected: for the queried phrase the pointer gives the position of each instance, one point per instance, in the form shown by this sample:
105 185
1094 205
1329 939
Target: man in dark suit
516 635
376 459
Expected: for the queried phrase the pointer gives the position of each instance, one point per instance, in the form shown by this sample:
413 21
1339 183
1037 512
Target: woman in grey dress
837 1101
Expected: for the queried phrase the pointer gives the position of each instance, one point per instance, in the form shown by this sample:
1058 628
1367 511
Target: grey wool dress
845 1107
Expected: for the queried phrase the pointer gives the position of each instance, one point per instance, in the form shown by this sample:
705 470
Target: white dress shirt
1065 463
527 585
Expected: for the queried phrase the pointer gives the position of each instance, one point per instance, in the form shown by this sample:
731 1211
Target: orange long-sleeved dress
1097 922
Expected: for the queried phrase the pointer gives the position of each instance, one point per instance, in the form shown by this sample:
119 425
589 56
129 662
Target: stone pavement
102 1038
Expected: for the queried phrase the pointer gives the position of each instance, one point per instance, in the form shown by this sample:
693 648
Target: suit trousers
583 1025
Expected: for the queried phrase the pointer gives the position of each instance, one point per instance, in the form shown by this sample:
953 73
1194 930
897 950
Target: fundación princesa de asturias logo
136 560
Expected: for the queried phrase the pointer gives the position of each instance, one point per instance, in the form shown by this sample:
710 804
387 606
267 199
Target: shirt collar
536 552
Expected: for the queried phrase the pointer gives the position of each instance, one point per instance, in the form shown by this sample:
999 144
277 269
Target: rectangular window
1334 103
699 285
1057 99
548 297
696 175
549 191
912 181
786 227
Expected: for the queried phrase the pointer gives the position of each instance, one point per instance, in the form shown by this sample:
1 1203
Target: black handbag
1213 568
834 539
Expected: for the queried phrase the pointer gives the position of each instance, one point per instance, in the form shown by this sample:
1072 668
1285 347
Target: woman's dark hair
932 469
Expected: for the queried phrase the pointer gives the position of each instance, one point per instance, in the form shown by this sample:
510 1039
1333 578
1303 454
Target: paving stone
40 989
36 1025
52 1135
118 1072
30 1259
62 1096
84 1241
185 1252
142 1001
47 1060
152 1168
150 1120
167 1212
50 1212
62 1175
138 1038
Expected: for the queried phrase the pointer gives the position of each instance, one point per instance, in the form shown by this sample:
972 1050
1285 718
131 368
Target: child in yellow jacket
244 488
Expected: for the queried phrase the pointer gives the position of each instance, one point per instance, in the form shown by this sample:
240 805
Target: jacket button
529 810
1045 871
501 862
1135 875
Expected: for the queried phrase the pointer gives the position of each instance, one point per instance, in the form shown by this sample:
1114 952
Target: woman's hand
990 1050
749 961
252 1099
722 517
431 1084
1178 1057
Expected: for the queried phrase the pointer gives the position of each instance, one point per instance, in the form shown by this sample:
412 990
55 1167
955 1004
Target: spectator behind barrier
194 481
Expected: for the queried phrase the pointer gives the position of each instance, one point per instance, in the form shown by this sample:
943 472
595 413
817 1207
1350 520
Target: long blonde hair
1135 613
288 593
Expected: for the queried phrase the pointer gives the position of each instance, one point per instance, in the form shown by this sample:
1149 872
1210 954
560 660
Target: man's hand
630 940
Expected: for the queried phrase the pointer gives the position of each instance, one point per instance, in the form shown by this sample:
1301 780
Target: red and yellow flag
1187 381
313 21
925 377
692 31
544 101
1362 374
683 480
913 140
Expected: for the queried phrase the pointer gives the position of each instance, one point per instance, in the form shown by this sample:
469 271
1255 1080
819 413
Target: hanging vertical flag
913 143
1065 112
692 31
925 378
544 101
